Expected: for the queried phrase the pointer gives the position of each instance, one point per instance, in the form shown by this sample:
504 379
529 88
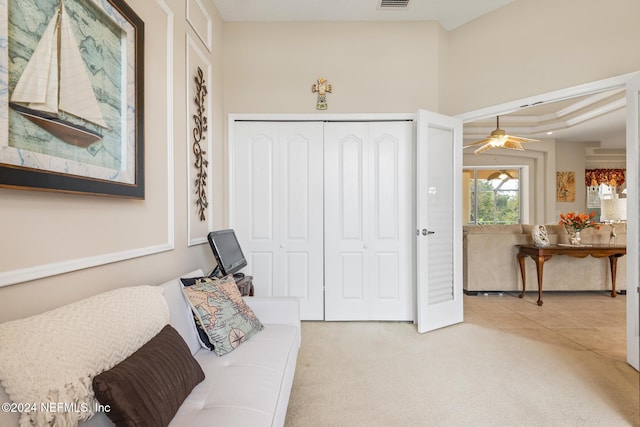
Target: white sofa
490 260
249 386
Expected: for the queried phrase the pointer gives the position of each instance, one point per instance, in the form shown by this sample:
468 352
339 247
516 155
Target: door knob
425 232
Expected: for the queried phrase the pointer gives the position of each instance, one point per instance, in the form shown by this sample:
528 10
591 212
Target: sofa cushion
180 311
249 386
53 356
222 313
203 338
148 387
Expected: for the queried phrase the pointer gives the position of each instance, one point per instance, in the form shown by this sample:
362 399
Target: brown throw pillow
148 387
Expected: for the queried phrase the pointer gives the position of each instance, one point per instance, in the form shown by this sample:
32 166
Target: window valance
611 177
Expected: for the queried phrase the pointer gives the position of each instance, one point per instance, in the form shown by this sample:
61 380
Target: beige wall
570 157
381 67
57 230
532 47
529 47
373 67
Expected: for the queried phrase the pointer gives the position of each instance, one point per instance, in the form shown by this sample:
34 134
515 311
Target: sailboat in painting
55 81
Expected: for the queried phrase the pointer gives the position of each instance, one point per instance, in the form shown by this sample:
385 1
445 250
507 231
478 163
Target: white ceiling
450 13
581 119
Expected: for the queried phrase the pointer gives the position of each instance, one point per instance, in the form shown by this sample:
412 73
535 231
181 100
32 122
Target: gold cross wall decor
322 88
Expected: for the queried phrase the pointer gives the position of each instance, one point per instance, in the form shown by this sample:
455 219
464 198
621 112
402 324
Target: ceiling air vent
393 4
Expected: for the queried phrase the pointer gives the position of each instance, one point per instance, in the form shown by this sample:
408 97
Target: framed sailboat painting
71 79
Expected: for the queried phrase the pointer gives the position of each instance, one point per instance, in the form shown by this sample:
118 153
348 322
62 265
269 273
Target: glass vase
574 235
576 239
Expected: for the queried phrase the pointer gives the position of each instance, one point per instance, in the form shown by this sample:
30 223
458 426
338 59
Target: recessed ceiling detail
584 118
393 4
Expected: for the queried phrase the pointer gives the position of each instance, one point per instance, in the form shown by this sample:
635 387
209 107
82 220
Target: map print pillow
222 313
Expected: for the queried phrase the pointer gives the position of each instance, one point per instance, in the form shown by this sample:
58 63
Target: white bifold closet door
368 221
276 197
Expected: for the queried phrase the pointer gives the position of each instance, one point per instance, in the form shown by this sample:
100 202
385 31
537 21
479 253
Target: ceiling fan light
498 140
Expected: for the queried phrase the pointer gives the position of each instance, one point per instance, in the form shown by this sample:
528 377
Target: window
493 196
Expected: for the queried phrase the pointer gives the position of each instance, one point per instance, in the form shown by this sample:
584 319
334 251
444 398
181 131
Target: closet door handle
426 232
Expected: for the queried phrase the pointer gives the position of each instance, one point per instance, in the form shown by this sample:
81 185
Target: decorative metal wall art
199 131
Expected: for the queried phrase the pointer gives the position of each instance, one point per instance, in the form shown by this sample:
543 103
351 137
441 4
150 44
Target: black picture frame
129 116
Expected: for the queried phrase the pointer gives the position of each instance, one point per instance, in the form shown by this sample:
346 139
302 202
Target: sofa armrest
275 310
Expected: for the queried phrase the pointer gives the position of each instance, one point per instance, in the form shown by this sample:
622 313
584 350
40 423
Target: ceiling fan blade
502 174
482 149
482 141
513 145
521 139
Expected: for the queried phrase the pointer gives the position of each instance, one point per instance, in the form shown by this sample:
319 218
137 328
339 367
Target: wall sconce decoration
199 131
322 88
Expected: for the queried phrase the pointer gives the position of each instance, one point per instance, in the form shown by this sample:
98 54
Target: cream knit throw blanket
51 358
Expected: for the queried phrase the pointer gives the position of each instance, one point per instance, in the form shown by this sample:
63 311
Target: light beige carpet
386 374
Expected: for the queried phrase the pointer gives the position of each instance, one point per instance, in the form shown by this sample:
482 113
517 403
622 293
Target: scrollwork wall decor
199 131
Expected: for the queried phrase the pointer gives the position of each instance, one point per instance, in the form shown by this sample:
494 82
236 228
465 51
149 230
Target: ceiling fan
500 139
501 174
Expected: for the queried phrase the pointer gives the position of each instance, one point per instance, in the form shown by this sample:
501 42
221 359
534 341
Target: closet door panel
261 266
298 280
388 281
350 187
392 217
368 217
386 188
252 196
300 172
277 205
345 221
297 227
351 276
260 173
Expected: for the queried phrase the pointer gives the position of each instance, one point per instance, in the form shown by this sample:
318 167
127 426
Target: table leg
613 263
539 267
521 258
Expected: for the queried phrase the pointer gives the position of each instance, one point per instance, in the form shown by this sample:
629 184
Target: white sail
48 88
76 93
38 84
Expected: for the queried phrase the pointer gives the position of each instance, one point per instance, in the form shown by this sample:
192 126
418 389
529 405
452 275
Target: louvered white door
276 199
439 232
368 221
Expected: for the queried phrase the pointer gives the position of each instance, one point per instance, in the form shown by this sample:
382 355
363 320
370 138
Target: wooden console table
542 254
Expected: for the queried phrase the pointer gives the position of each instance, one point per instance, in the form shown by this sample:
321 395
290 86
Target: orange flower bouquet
578 222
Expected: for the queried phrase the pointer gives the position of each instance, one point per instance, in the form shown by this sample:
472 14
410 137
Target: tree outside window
494 196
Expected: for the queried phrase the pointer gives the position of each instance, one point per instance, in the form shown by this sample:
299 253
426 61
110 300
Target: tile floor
591 321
